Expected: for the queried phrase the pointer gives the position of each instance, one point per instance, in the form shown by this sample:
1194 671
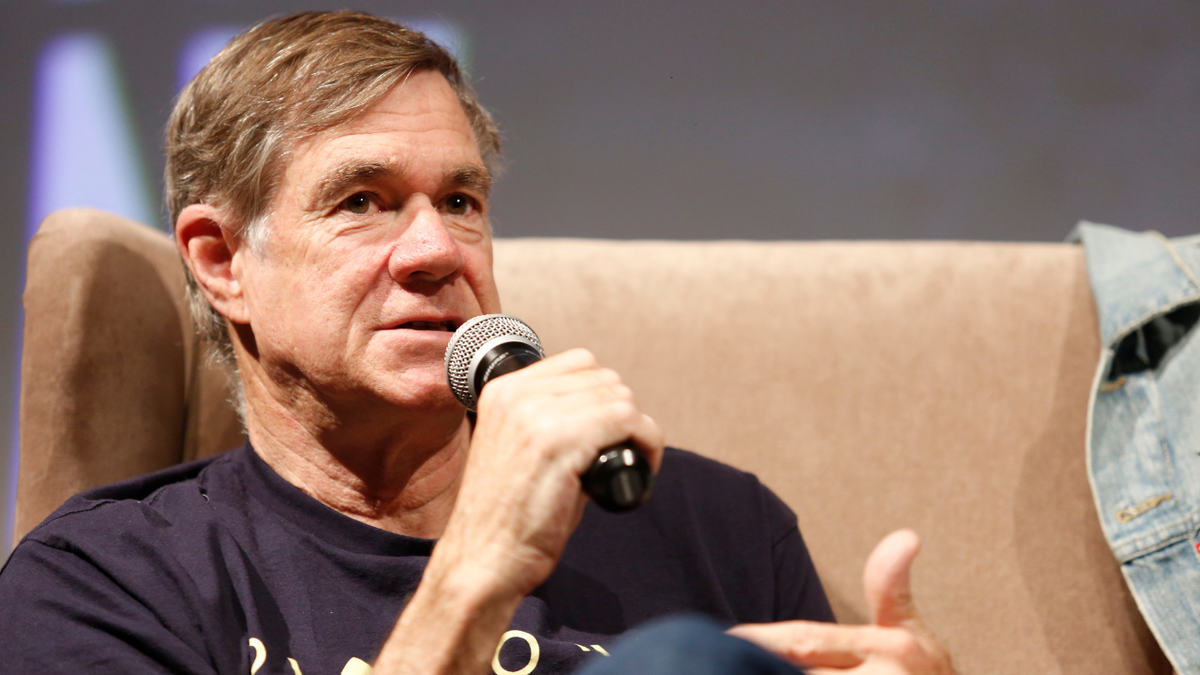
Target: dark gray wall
766 120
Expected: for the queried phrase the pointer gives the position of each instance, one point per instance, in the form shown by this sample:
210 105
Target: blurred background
925 119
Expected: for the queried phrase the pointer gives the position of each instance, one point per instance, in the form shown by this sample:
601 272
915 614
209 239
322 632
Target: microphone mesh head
466 342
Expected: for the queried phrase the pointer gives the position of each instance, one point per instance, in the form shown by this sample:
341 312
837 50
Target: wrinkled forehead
418 125
421 114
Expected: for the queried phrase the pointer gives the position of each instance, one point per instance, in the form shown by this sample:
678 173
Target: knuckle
608 375
800 650
622 390
489 397
625 412
583 356
905 647
500 391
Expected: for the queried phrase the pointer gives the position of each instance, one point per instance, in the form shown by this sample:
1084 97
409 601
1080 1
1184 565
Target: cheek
333 276
481 279
314 302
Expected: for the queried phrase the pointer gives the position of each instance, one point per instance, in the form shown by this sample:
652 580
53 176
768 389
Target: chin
431 395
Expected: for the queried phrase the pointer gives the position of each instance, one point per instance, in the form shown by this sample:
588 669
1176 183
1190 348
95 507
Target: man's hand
538 430
896 642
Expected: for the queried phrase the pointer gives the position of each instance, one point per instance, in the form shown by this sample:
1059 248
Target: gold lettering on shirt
585 649
356 666
535 653
260 654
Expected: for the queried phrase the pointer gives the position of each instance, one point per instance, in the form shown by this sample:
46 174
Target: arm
538 430
897 642
61 613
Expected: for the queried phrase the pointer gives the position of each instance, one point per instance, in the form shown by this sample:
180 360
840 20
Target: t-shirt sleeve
59 613
798 590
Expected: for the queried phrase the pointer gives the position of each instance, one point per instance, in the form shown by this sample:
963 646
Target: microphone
492 345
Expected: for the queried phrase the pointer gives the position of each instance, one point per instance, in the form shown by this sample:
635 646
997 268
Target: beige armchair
940 386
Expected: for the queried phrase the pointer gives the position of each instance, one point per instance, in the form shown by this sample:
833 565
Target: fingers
886 580
898 642
571 394
572 360
800 643
873 649
648 437
537 431
812 644
875 667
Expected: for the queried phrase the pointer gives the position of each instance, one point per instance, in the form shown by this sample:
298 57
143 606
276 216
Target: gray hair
235 124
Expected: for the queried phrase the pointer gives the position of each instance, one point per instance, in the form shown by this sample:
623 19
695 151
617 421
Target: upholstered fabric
113 378
940 386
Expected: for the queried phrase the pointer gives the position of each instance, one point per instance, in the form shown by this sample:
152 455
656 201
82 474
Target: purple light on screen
84 149
445 34
200 47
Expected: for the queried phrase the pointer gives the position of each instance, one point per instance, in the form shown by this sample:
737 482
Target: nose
426 256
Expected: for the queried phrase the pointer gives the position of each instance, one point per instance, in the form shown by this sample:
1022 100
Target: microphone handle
619 479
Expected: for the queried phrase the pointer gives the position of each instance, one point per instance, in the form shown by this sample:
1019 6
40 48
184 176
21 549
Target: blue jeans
686 645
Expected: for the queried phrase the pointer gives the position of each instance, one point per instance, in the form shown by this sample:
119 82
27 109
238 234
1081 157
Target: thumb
886 583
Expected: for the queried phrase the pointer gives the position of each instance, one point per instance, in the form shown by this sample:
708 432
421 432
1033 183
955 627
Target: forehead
419 124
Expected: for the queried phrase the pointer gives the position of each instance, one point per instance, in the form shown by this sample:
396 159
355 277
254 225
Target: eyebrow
357 172
473 177
349 174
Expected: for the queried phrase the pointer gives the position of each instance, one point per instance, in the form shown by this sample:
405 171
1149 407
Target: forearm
518 504
451 625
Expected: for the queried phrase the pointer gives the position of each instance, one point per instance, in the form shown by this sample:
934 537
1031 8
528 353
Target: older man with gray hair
328 175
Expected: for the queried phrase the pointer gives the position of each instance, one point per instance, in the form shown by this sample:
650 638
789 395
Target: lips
429 325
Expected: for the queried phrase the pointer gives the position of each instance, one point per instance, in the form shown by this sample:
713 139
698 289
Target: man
328 176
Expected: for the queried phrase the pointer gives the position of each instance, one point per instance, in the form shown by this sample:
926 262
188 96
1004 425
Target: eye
459 204
358 203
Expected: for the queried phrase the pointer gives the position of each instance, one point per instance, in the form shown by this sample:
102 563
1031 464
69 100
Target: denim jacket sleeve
1143 432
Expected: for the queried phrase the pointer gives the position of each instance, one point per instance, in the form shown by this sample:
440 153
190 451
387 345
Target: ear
210 249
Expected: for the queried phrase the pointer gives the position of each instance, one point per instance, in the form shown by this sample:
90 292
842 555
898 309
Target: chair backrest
941 386
113 378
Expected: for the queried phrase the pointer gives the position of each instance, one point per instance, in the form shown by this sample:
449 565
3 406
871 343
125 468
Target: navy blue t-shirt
222 566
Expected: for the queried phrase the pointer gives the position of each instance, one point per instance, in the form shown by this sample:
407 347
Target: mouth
449 326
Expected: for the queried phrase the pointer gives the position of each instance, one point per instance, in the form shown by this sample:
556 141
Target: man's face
378 246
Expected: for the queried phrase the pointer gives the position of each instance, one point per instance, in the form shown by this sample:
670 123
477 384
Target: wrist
476 585
452 623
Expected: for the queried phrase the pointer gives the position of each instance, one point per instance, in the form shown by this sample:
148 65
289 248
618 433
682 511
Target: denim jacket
1144 424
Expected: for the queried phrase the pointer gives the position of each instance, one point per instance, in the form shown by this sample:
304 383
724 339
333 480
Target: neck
394 469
